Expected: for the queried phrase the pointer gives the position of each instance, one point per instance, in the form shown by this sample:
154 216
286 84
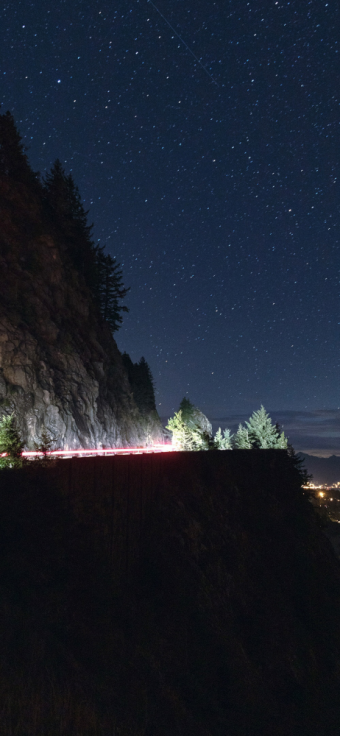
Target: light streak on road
99 451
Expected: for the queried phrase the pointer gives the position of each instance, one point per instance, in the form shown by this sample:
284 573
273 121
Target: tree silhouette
141 382
63 200
111 289
101 273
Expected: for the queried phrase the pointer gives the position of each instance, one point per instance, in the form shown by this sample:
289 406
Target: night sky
204 138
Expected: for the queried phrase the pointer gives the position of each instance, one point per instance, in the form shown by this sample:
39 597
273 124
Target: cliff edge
60 368
153 595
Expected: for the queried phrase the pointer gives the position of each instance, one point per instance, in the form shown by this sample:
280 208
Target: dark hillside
223 622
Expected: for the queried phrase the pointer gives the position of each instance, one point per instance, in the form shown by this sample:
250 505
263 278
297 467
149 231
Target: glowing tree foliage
241 439
263 434
185 437
188 432
10 443
223 441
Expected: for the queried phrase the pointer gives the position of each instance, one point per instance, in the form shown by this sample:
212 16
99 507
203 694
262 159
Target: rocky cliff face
199 420
60 368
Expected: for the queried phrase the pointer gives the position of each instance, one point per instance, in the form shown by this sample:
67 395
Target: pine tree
263 434
10 443
44 447
142 383
101 273
64 202
111 289
128 365
143 391
223 441
187 409
197 422
241 439
185 437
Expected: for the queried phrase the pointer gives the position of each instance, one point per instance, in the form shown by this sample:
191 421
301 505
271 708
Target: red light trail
102 451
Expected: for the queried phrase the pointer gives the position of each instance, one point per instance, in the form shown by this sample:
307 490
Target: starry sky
204 138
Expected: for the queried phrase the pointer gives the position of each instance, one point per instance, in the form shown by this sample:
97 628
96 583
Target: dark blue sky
212 173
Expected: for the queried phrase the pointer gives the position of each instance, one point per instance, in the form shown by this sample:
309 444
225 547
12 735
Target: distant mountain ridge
325 470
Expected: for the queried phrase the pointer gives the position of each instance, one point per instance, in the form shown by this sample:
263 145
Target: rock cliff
60 368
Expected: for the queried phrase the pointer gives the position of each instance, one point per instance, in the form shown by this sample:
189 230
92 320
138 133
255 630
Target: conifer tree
223 441
241 439
185 437
298 463
144 392
262 433
101 272
64 201
142 383
128 365
111 289
187 409
44 447
195 422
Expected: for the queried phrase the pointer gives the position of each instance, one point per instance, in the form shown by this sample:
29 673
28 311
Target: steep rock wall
60 368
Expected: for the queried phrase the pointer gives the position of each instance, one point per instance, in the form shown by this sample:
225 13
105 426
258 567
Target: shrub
10 443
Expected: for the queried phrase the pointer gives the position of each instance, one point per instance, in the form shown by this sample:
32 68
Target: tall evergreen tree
128 365
263 434
184 436
64 201
141 382
223 441
111 289
187 409
144 392
198 427
241 439
101 272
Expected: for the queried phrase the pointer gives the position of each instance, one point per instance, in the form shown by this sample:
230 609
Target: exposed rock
201 421
60 368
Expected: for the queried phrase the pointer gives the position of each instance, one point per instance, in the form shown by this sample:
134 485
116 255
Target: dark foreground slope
226 623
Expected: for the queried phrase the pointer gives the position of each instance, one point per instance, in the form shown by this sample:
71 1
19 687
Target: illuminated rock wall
60 368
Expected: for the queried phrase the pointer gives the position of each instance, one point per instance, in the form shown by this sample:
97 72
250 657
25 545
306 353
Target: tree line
257 433
63 213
